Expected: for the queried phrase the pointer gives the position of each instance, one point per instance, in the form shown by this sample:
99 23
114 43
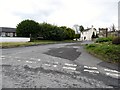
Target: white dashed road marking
39 60
91 71
90 67
113 75
114 71
67 64
29 62
47 64
69 68
54 65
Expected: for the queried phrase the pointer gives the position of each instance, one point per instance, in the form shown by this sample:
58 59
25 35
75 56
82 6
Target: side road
65 65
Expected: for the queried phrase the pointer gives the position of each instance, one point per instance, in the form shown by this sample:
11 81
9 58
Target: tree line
35 30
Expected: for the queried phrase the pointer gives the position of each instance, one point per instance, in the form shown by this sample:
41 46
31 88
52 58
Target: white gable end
87 34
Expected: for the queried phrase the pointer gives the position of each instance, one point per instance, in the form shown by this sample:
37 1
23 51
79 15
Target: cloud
100 13
19 10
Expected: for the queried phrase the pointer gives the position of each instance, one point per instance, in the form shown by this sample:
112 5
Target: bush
77 36
116 41
27 28
52 32
104 39
107 52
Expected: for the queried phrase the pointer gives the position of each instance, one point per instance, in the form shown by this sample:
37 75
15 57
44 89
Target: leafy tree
81 28
93 35
77 36
97 36
113 28
69 33
51 32
27 28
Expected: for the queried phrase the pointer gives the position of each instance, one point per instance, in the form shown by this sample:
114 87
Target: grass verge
33 43
105 51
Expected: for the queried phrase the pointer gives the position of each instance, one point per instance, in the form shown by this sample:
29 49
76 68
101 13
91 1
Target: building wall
7 32
14 39
86 35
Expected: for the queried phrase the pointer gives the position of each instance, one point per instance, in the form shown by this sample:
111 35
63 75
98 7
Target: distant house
114 33
7 32
87 33
103 32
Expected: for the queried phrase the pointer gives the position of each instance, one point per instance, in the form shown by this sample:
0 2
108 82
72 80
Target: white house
87 33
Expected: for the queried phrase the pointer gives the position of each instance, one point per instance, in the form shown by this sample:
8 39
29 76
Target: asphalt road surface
56 66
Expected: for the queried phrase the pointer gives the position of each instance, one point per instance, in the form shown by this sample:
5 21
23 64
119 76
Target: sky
99 13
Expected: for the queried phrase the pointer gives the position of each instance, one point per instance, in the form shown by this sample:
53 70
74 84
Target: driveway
65 65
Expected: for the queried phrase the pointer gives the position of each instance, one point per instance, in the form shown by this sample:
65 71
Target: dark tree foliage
81 28
27 28
51 32
69 33
116 41
77 36
93 35
30 28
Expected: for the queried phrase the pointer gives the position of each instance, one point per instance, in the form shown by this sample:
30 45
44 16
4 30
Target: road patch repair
63 52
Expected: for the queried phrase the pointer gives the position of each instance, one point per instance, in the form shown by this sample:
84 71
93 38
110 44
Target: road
65 65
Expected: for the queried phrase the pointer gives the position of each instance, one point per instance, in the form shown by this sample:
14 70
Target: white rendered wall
14 39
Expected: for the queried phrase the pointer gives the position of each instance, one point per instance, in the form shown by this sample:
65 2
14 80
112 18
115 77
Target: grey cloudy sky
100 13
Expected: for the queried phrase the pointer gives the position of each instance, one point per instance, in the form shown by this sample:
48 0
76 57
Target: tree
51 32
27 28
81 28
69 33
77 36
93 35
113 28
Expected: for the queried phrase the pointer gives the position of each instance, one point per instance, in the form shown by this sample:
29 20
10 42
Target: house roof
7 29
87 29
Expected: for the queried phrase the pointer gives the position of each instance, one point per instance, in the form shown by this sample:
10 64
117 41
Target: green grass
105 51
36 42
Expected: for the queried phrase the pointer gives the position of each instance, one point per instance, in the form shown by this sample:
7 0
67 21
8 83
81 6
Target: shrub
110 53
27 28
104 39
116 41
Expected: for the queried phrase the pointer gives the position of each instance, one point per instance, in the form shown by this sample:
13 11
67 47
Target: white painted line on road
39 60
67 64
90 67
113 75
92 71
109 70
47 64
29 62
76 47
54 65
69 68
